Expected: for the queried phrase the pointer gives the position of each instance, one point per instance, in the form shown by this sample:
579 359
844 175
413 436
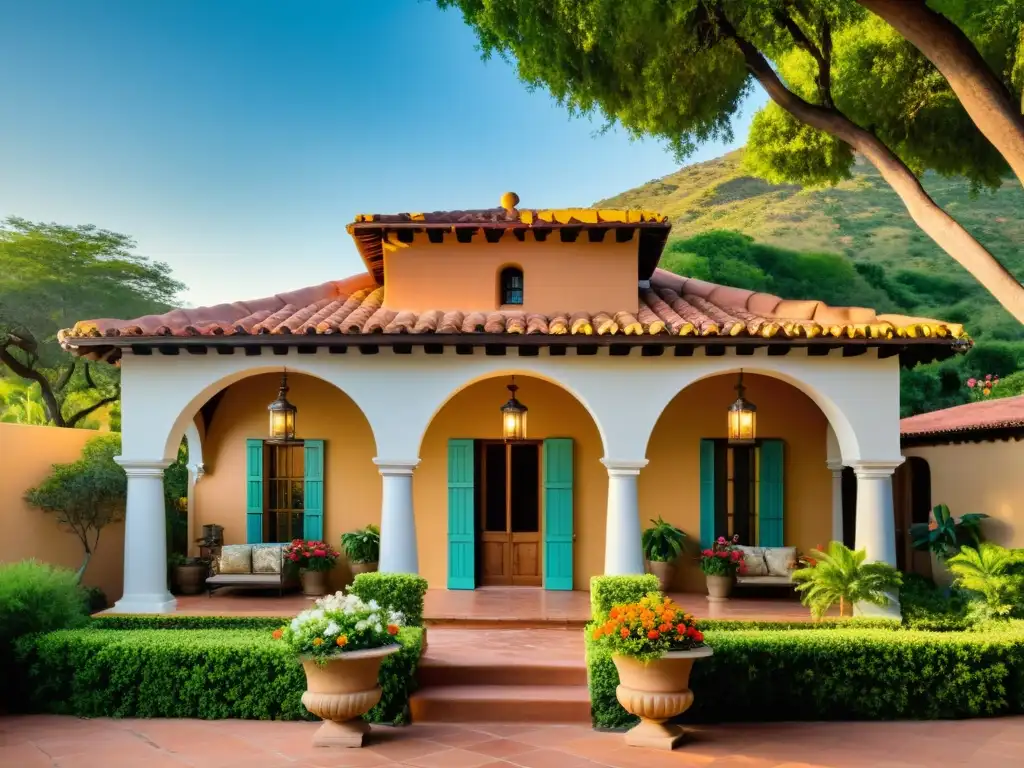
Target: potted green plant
362 549
314 559
840 575
653 644
341 642
189 573
663 544
720 564
943 536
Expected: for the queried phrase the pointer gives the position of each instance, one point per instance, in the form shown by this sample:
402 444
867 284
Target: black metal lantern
282 414
513 416
742 418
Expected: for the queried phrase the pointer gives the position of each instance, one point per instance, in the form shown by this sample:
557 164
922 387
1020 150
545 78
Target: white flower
332 629
373 618
361 625
373 605
377 627
295 625
316 614
396 617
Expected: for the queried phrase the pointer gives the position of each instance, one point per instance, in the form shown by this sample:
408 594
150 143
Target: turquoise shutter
770 494
461 516
313 496
253 491
558 513
708 493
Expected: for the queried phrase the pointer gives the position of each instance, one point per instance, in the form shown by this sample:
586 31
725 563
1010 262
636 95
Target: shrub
647 629
206 674
840 575
927 607
838 674
608 591
35 597
944 534
338 624
400 591
992 574
172 622
96 599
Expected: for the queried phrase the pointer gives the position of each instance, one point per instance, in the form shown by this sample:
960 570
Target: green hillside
861 218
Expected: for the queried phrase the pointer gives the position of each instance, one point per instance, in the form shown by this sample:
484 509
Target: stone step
501 704
446 672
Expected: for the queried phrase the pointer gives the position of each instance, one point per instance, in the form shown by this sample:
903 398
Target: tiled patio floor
38 741
494 604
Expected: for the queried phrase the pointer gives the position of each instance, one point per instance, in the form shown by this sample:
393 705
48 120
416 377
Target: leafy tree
53 275
841 576
993 574
679 70
86 495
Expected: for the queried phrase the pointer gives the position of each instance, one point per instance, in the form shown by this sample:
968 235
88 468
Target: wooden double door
509 531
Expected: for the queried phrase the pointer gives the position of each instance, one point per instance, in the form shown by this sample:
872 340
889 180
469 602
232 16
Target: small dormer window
512 286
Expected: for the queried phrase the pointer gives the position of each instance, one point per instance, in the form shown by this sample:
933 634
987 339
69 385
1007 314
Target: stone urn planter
656 691
664 571
314 583
358 568
340 691
191 578
719 588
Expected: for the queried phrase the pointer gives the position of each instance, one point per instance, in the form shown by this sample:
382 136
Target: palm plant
663 542
993 574
840 575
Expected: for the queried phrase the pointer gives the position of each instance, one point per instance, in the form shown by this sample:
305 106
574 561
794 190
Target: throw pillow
753 561
781 560
266 558
236 558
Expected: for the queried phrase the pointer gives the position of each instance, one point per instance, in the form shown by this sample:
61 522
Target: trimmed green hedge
190 673
172 621
608 591
402 592
838 674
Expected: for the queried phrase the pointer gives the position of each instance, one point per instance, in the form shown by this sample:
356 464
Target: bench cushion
753 561
266 558
765 581
235 559
250 579
781 560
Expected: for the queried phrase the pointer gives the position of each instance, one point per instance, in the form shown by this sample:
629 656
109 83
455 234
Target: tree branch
73 420
822 56
27 372
65 376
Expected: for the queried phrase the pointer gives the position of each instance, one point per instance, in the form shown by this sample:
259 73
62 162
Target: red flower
682 629
293 557
319 553
707 553
653 635
624 632
698 636
392 629
736 555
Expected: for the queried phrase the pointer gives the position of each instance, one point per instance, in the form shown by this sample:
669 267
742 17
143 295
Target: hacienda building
625 386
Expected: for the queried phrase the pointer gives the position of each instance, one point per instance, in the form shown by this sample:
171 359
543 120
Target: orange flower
624 632
681 629
342 641
664 628
318 641
277 634
653 635
614 613
392 629
597 633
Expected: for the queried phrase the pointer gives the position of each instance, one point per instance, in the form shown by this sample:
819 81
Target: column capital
388 467
875 468
143 467
624 467
835 466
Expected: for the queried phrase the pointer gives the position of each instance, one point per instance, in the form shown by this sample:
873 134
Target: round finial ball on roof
509 200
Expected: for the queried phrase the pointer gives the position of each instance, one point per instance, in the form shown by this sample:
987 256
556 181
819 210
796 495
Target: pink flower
971 383
721 539
707 553
988 377
319 553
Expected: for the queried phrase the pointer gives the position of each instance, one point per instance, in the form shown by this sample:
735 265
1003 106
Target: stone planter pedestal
719 588
656 691
341 691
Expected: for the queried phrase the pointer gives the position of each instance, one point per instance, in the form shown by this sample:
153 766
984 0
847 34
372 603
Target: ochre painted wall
474 413
352 487
26 455
980 477
557 277
670 484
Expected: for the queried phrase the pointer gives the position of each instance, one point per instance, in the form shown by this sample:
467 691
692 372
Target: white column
145 540
623 551
195 471
876 523
837 500
397 522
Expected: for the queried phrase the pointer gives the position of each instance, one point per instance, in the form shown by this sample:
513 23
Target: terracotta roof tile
1006 412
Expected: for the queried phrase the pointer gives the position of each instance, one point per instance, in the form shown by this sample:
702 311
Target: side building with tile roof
624 375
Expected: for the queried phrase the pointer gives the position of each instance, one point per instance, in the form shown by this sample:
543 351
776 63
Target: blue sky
235 139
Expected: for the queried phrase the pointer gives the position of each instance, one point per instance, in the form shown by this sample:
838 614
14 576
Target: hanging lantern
513 416
282 414
742 418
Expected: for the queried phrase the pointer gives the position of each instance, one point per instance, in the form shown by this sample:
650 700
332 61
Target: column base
164 603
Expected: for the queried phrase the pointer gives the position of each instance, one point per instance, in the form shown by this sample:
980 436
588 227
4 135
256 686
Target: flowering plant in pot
663 544
313 559
654 643
720 564
341 642
362 548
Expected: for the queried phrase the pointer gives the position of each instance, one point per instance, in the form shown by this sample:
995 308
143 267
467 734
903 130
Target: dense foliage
993 576
86 495
190 673
362 545
662 542
402 592
839 575
944 534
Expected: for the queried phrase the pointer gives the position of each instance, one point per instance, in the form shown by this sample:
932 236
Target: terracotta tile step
445 672
505 622
501 704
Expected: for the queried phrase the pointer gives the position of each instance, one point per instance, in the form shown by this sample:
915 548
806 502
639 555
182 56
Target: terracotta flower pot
190 578
341 691
656 691
358 568
314 583
665 572
719 588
